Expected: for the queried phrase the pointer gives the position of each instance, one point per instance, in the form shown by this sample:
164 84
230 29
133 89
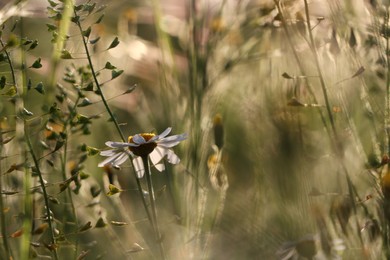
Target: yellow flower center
143 149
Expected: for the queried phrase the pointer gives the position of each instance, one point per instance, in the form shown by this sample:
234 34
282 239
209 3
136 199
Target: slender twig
112 116
157 233
321 77
44 192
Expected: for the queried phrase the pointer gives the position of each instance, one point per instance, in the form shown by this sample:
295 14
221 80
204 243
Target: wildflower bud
218 131
385 185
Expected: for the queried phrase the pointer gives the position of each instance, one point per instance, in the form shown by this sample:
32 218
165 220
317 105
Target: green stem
387 113
64 177
3 222
114 120
157 233
45 196
2 216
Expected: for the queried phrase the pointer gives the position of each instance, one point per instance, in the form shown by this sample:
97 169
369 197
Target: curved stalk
156 228
45 196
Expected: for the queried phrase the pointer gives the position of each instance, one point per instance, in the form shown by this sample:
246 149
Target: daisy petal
109 159
157 154
138 139
120 160
165 133
172 140
139 167
172 157
117 144
160 167
108 152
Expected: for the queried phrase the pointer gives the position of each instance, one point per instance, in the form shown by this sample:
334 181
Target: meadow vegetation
280 115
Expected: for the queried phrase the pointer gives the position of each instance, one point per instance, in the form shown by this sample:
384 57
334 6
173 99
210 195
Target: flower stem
113 118
45 196
157 233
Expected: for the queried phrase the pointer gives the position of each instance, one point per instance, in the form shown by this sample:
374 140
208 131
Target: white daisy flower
145 144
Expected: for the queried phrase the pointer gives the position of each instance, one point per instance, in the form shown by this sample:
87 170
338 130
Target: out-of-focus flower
141 145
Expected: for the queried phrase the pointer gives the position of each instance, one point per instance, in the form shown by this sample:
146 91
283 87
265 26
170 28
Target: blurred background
286 107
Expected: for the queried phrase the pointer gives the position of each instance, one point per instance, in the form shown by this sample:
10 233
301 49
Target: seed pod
385 186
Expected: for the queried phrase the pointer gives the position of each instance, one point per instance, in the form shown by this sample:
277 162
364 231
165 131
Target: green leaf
3 81
85 227
89 87
114 43
87 32
100 223
89 7
83 175
130 89
10 92
64 186
52 3
94 40
99 19
26 41
59 144
65 54
75 19
95 190
112 190
78 7
51 27
12 41
116 73
91 151
37 64
287 76
33 45
40 88
83 147
81 119
85 102
109 66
